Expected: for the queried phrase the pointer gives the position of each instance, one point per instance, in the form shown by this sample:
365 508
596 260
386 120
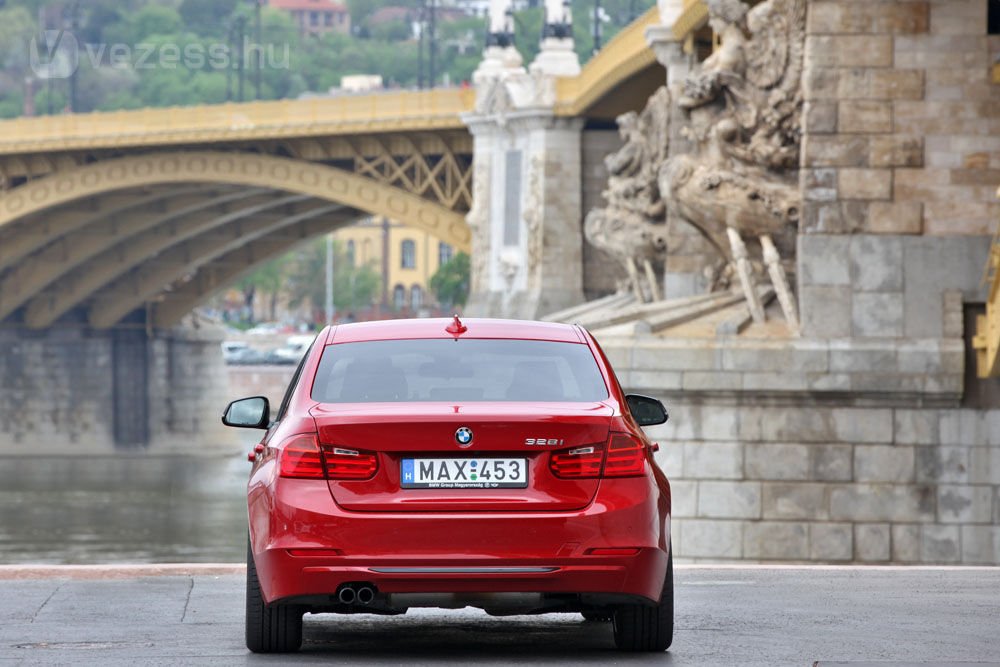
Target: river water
123 509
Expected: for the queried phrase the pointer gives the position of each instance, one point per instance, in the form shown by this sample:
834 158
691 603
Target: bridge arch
160 218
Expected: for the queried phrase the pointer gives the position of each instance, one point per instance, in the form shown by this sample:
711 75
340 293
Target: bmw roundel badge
463 436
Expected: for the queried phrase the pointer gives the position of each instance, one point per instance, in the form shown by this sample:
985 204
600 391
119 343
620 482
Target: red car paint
308 537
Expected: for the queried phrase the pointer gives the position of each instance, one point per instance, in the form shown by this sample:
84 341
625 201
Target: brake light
578 463
624 456
342 463
303 458
300 457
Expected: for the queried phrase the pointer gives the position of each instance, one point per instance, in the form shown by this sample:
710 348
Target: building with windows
316 17
406 259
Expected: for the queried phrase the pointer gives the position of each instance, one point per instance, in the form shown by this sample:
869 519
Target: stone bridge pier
76 391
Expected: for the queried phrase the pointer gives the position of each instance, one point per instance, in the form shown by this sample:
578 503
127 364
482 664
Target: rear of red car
491 463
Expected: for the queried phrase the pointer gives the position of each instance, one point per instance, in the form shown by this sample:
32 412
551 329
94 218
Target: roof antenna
456 327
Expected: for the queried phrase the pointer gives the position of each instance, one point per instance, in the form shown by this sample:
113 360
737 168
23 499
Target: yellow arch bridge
155 210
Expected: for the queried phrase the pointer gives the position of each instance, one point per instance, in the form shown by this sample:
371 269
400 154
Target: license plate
464 473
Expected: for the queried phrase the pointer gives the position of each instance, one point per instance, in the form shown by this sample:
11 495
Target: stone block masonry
58 394
797 483
899 104
853 450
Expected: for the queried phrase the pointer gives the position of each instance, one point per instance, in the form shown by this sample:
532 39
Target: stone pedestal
556 58
527 242
497 61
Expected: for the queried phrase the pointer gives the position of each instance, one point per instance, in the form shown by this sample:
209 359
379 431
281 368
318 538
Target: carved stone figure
631 228
744 106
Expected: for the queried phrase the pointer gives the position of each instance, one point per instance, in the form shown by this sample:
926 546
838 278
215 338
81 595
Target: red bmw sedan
441 463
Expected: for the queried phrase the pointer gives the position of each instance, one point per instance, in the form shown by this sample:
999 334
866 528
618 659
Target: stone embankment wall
269 381
68 392
827 450
833 484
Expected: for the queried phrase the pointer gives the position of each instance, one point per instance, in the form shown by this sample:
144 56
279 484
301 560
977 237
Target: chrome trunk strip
463 570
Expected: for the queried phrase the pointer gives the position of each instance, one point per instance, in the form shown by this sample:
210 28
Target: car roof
435 328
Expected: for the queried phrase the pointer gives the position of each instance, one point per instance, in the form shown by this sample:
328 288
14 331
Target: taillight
302 458
343 463
578 463
624 456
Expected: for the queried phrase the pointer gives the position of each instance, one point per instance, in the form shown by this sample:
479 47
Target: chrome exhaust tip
347 595
366 595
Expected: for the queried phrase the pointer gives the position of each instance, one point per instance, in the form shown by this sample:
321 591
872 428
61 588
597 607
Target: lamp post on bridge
330 307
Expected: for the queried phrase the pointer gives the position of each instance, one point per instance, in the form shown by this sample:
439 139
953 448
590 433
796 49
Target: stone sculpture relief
744 108
632 227
738 183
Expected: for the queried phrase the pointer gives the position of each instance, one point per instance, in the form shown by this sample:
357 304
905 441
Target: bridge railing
385 111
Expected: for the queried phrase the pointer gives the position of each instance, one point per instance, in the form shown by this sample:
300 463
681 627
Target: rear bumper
486 552
640 575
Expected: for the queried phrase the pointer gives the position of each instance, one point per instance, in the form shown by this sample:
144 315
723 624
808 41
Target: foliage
450 282
268 279
353 286
294 63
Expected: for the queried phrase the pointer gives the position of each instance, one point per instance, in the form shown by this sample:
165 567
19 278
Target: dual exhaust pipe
351 594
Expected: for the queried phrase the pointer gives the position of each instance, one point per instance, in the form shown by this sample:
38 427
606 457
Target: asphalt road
725 616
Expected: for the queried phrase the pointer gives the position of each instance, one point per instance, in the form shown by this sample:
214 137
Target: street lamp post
259 54
330 308
596 27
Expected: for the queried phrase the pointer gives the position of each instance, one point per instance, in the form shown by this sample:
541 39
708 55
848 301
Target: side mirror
646 410
252 412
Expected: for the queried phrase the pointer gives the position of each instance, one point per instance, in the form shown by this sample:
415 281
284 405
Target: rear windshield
463 370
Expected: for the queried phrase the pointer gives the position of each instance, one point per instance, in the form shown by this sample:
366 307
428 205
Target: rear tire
643 628
270 629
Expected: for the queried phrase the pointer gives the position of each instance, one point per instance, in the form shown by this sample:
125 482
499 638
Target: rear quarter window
466 370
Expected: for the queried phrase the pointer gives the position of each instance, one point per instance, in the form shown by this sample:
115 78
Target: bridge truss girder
80 237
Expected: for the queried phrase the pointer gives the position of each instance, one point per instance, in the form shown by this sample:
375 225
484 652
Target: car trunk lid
428 431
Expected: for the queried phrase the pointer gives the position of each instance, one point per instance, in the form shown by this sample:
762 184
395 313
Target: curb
139 570
121 571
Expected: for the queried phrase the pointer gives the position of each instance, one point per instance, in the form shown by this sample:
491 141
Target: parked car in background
233 349
247 356
265 329
292 351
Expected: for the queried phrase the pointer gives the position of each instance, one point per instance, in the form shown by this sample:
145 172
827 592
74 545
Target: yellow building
404 257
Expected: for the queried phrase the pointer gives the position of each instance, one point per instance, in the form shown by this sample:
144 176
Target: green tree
17 27
353 286
207 17
155 20
391 31
269 279
450 282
